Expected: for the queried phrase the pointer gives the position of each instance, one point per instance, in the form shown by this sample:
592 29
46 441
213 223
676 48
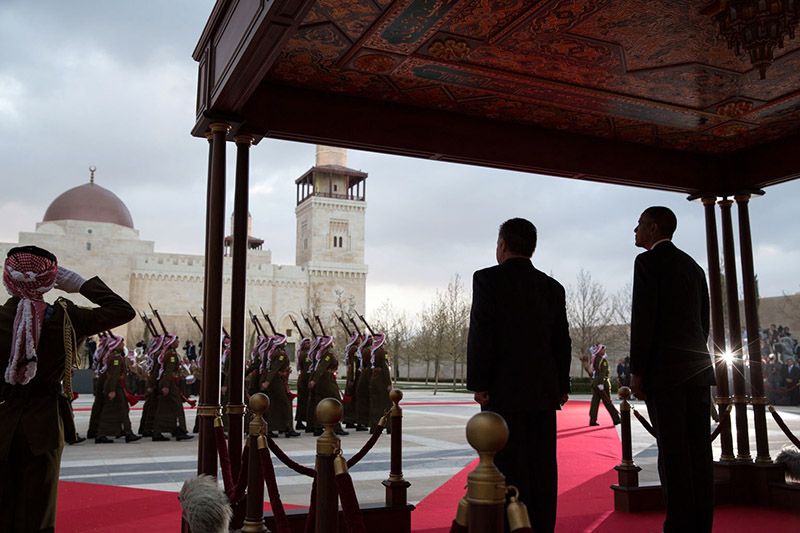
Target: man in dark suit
671 368
518 359
35 412
791 377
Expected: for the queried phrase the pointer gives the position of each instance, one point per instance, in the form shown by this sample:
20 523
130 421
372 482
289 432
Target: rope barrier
783 426
782 391
644 421
272 489
312 509
353 521
285 459
376 433
224 459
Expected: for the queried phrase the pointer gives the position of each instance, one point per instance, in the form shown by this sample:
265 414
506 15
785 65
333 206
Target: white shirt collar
659 242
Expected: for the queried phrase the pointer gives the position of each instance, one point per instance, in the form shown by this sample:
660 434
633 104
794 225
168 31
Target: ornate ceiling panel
648 72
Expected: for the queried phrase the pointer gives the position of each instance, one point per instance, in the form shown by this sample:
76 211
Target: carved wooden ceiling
653 73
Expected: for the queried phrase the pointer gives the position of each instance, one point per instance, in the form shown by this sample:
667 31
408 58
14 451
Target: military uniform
115 419
363 382
350 398
600 375
380 383
274 383
170 417
35 419
98 384
152 393
303 365
324 379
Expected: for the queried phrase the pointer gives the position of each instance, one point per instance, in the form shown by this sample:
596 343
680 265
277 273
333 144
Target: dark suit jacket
670 320
519 349
36 408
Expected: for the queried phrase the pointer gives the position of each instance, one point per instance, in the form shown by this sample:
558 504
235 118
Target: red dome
91 203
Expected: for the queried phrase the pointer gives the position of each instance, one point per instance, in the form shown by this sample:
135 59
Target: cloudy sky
113 84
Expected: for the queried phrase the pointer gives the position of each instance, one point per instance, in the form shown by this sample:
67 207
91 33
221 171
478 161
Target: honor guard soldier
362 384
38 349
323 380
350 398
152 393
380 383
98 383
169 415
276 386
601 386
303 364
114 419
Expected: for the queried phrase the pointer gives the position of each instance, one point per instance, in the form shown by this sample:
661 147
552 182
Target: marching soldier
380 383
275 383
224 380
169 416
311 406
98 383
601 386
303 364
323 380
253 374
37 352
362 384
114 419
350 399
151 393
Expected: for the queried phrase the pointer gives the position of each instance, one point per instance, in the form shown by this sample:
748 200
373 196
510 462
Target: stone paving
434 449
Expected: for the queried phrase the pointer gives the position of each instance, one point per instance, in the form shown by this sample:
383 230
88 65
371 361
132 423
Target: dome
91 203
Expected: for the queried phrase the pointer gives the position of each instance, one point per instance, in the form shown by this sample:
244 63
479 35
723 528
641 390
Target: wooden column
238 302
718 324
735 334
212 316
254 521
753 330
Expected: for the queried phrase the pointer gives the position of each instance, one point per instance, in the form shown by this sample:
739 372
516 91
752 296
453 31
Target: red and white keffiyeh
277 341
380 338
165 344
27 276
367 340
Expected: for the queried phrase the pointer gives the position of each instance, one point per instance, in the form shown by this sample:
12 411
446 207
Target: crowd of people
780 353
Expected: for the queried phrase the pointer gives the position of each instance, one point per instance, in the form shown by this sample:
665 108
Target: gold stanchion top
329 411
487 432
396 395
624 393
259 402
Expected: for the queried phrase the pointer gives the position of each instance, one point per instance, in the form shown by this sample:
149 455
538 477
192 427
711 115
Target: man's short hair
519 235
664 218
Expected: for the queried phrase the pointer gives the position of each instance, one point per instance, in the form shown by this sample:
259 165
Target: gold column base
764 459
727 459
744 458
254 526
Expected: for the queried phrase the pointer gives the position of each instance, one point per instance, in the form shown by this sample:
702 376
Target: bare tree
618 337
588 312
396 326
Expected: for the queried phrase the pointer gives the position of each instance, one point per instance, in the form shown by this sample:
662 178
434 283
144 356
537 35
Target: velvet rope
644 422
347 495
224 461
376 433
783 426
285 459
724 420
782 391
274 495
455 527
312 509
241 485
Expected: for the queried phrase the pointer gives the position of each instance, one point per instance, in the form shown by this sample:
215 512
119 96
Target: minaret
331 204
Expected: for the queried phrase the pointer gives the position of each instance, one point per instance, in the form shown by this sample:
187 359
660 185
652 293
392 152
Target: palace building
91 231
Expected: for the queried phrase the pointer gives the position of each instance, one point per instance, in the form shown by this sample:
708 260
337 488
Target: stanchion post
627 471
396 485
487 433
254 521
329 413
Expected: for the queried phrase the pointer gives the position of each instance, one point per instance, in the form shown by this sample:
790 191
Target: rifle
366 324
225 332
257 324
355 325
155 312
344 325
148 325
297 326
321 327
197 323
269 321
314 333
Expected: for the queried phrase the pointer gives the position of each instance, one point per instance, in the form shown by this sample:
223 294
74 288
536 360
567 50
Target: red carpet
586 460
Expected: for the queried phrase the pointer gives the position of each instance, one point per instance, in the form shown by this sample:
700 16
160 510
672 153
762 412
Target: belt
377 370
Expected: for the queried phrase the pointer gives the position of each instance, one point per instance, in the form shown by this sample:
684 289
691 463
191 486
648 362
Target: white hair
204 506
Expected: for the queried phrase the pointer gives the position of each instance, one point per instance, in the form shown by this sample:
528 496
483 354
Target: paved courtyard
435 449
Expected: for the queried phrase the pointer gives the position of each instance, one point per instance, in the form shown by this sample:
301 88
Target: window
340 242
289 332
89 246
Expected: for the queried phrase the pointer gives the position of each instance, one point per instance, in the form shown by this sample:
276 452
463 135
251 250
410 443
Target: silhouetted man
518 359
671 368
